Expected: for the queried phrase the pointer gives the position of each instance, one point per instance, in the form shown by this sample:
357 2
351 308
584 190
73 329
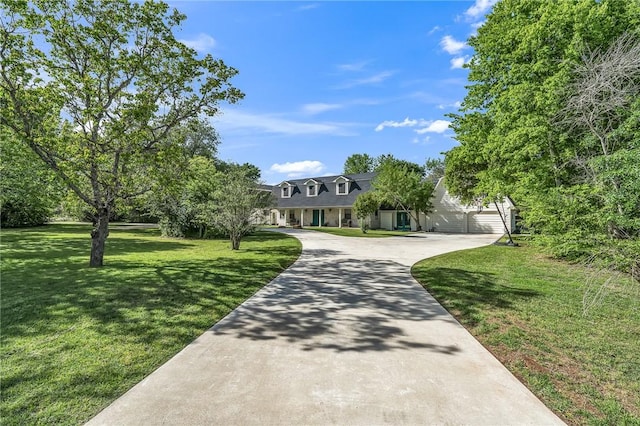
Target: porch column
301 218
320 217
340 218
286 217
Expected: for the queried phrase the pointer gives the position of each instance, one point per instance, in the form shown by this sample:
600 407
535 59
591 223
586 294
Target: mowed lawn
75 338
528 310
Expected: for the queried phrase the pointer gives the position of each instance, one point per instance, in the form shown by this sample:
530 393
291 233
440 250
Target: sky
325 80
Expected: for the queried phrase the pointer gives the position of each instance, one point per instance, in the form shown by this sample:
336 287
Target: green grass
75 338
356 232
527 310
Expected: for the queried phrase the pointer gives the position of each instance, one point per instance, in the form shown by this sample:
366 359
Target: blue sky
324 80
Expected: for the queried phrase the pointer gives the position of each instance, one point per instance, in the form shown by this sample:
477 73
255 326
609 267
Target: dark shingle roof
327 197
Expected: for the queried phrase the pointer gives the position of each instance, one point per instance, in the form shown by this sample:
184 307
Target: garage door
485 223
447 222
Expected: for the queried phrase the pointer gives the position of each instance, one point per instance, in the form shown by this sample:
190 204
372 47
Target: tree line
552 119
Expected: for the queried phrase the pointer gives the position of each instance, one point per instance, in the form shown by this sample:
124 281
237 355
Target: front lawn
357 232
75 338
527 310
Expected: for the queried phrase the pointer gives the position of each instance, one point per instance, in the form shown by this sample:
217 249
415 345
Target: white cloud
374 79
298 168
355 66
318 108
479 8
391 123
451 45
422 141
434 30
236 120
308 6
458 62
437 126
456 104
202 43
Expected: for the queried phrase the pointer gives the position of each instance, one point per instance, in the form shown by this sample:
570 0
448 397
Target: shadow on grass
468 293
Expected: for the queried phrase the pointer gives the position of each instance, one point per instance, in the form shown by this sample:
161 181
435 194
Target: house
320 201
328 201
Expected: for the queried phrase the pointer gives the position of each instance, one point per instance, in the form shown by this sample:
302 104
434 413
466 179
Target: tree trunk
235 242
99 236
417 219
506 228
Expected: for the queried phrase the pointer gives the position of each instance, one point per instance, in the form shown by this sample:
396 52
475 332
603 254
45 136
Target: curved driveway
344 336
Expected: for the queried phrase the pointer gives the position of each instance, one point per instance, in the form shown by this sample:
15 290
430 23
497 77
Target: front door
318 218
404 223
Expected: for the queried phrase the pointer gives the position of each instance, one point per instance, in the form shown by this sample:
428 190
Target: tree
358 163
600 106
365 205
238 197
29 191
95 88
510 140
434 169
404 188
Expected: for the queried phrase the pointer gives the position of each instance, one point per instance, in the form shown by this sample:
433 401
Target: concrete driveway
344 336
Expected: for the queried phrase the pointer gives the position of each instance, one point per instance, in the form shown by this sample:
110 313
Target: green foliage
29 191
551 118
403 186
95 89
238 198
434 169
365 205
358 163
74 339
187 209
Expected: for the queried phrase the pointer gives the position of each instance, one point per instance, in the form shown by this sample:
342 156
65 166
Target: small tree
238 197
405 188
365 205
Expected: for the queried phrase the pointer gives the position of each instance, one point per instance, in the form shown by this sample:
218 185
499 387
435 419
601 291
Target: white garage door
386 220
447 222
485 223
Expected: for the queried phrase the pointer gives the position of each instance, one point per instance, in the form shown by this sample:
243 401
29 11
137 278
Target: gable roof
326 194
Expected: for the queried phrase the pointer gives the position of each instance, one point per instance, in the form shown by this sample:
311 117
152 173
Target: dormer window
342 185
313 187
286 189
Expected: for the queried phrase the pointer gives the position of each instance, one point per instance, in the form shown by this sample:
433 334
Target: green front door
318 218
403 221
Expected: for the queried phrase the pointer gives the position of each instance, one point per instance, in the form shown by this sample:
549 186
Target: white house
328 201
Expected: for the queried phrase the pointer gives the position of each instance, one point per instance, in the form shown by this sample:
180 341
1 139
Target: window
341 188
347 216
311 191
286 192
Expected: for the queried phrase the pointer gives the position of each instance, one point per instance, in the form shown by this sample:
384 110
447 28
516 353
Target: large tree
94 88
512 139
358 163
